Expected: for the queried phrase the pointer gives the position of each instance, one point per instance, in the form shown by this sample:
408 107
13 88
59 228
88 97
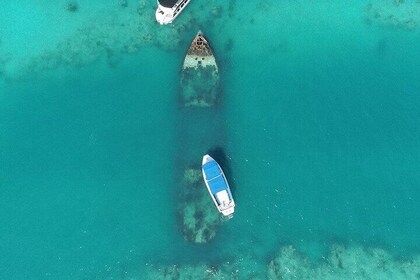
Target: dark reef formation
198 216
200 86
394 14
343 263
72 7
118 31
123 3
289 264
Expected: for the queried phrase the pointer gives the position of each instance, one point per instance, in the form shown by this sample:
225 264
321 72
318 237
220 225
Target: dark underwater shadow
218 153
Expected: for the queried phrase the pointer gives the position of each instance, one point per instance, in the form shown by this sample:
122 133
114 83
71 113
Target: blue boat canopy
218 184
211 169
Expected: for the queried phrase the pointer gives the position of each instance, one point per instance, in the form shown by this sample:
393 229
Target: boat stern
226 204
228 212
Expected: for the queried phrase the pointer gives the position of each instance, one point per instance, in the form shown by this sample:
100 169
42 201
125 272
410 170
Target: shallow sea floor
322 115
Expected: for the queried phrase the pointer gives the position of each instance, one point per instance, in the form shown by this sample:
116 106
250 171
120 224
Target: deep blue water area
320 130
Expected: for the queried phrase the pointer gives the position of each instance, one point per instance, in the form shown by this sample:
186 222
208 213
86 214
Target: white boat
168 10
218 186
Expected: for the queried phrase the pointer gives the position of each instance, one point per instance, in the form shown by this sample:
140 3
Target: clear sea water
322 134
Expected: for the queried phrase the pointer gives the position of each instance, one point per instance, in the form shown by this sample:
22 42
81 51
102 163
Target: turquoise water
322 116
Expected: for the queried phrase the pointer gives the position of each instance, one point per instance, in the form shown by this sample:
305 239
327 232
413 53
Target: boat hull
166 15
217 186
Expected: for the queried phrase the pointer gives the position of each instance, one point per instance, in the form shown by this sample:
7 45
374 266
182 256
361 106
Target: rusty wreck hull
200 81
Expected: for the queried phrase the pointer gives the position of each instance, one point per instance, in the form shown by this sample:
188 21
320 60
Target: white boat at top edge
168 10
218 186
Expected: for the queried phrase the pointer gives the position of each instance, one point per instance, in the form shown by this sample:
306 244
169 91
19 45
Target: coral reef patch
246 268
394 14
105 34
123 3
72 7
197 215
200 86
343 263
175 272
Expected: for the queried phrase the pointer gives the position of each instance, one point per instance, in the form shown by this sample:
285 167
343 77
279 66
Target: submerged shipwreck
200 75
200 128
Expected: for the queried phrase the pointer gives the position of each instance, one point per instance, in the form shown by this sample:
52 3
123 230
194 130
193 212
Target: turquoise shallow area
322 115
